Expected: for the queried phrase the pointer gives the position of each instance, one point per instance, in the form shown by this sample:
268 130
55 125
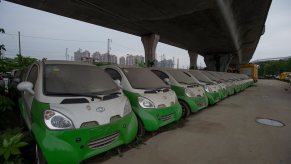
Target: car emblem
88 107
100 109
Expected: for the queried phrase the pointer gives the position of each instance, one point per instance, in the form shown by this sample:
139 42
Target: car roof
65 62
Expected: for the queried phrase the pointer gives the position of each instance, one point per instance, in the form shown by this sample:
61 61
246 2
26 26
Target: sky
46 35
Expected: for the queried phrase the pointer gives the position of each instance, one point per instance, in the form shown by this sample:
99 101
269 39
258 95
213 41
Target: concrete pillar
193 59
218 62
150 44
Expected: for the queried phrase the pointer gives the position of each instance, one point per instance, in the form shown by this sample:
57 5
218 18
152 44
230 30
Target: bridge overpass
223 31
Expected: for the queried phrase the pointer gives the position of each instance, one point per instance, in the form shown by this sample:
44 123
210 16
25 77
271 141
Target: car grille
167 117
102 142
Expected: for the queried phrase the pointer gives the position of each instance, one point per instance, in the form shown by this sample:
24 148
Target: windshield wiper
92 96
183 83
164 89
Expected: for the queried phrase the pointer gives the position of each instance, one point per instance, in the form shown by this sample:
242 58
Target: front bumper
213 97
154 118
196 103
73 146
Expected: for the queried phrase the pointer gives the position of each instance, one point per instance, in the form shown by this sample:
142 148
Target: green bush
10 143
5 104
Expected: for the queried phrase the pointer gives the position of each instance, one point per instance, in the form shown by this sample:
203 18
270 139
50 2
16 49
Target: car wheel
141 130
185 109
39 158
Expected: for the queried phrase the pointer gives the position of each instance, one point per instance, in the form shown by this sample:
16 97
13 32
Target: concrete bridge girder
193 59
150 43
218 62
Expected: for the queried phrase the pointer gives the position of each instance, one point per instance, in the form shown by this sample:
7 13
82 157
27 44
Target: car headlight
145 102
127 108
207 89
189 93
56 121
221 86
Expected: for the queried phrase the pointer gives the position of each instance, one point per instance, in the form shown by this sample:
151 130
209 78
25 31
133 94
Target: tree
274 67
2 46
18 62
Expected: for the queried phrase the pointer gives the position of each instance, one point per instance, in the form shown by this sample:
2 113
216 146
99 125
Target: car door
28 97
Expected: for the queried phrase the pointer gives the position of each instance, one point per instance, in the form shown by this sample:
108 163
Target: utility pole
67 57
108 45
19 45
108 48
178 63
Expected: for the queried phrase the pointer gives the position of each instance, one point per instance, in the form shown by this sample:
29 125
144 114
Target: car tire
185 109
141 130
39 158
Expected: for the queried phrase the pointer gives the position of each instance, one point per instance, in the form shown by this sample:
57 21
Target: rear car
190 93
154 102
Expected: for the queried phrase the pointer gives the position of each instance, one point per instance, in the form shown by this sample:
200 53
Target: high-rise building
87 60
129 59
96 57
134 60
122 60
166 63
84 56
109 58
78 55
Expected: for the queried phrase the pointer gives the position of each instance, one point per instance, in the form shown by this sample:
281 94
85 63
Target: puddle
270 122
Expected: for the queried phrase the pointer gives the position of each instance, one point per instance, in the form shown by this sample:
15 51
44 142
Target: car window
141 78
32 76
69 79
160 74
113 73
181 77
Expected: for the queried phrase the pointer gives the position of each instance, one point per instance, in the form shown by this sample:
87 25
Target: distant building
97 56
78 55
122 60
84 56
109 58
134 60
87 60
166 63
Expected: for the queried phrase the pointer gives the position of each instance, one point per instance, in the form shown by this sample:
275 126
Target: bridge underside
216 29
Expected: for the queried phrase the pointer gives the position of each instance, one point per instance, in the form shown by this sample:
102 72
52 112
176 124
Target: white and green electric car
191 94
74 111
153 102
212 89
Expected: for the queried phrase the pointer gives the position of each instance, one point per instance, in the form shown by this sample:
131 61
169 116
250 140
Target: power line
48 38
70 40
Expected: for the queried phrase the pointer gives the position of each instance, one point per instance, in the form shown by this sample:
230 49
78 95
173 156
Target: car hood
100 112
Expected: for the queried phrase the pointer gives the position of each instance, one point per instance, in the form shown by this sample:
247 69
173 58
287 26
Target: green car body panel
213 97
152 118
195 103
71 146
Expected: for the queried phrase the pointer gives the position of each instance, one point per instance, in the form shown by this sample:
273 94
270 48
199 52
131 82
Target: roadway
222 134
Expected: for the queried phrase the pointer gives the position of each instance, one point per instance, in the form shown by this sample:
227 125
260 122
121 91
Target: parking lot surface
224 133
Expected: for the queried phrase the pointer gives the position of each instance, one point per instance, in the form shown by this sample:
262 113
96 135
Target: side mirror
117 82
167 81
25 86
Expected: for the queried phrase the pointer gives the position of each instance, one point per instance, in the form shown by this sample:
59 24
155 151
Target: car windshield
181 77
72 79
200 76
143 78
210 76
